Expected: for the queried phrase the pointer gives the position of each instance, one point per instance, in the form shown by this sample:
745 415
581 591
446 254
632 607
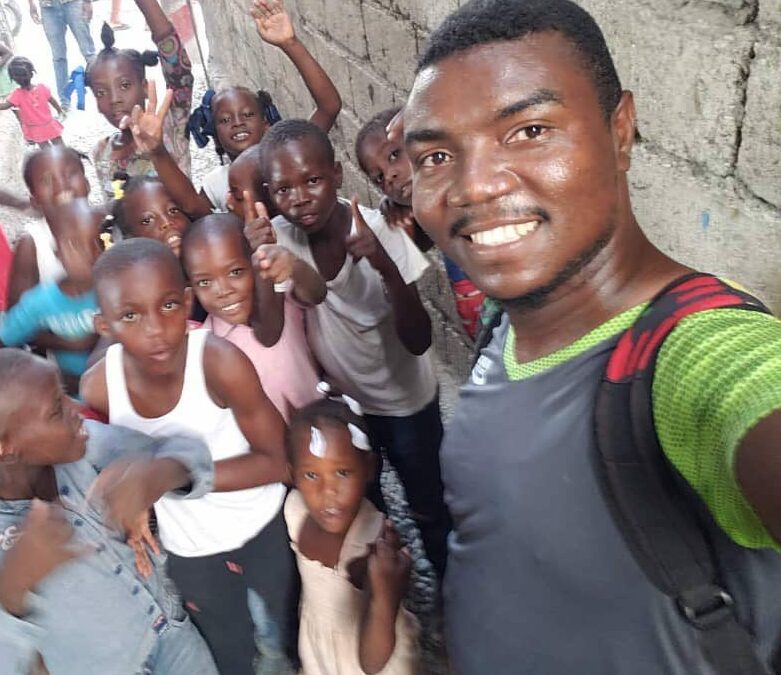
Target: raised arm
159 24
233 383
275 27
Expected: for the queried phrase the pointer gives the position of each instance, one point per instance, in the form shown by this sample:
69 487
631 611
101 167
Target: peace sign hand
257 226
364 243
146 124
273 22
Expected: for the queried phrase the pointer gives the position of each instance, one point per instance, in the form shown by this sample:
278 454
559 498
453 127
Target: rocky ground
82 130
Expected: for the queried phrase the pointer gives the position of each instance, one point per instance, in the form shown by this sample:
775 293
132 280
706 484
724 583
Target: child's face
117 88
221 275
78 241
303 184
150 212
388 167
333 486
145 308
238 120
244 176
57 178
45 428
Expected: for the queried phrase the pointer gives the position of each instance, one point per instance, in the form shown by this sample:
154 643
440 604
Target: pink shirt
35 115
286 370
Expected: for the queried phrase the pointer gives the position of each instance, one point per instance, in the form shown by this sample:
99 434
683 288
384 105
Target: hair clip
118 188
317 443
271 113
105 238
325 389
359 439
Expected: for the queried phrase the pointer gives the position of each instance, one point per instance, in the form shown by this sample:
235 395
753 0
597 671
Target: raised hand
388 567
274 263
43 545
146 124
364 243
398 216
257 226
395 128
272 21
34 15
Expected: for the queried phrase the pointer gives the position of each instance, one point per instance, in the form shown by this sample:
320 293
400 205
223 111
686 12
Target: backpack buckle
706 607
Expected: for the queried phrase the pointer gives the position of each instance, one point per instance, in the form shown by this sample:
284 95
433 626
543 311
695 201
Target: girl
237 117
216 257
31 104
118 81
353 571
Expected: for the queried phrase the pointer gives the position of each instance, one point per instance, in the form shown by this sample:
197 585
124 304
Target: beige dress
331 606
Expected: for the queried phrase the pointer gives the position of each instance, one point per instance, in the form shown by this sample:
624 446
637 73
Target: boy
68 585
160 379
371 333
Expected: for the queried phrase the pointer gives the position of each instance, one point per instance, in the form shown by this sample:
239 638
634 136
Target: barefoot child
353 573
68 586
371 333
65 308
237 117
216 257
117 78
31 103
162 380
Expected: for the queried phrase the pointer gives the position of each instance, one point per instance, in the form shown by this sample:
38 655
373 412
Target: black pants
412 446
215 592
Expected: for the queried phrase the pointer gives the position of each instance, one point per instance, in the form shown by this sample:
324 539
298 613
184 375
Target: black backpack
656 517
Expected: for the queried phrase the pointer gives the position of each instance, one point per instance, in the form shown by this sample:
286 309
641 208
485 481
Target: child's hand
273 22
274 263
388 568
43 546
139 537
364 243
257 226
124 490
398 216
146 124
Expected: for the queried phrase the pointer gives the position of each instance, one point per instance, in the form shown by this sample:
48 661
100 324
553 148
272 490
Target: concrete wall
706 177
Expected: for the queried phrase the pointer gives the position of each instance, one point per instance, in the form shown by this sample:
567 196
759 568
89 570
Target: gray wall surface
706 177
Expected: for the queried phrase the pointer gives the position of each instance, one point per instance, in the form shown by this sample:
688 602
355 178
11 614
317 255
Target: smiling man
525 186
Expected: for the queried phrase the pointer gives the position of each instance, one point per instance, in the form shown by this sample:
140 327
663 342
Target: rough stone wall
706 176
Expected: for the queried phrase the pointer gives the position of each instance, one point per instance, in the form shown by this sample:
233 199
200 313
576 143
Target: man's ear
101 325
338 174
624 128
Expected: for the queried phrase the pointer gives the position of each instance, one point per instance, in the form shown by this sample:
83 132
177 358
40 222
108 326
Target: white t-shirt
216 186
352 333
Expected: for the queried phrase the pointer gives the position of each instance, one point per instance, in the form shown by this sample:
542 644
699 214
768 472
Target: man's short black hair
132 252
286 131
484 21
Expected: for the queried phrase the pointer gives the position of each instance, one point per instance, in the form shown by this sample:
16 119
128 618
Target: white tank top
219 521
49 266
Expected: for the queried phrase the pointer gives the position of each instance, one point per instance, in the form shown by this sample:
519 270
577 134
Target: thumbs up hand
364 243
257 226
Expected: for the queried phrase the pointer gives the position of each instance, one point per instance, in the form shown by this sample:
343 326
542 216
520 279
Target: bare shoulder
93 389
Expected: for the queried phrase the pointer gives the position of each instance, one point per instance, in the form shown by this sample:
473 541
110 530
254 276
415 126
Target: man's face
523 180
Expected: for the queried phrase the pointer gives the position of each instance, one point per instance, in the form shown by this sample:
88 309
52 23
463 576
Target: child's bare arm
6 105
5 54
54 103
93 390
158 22
24 270
13 201
233 383
275 27
413 324
388 574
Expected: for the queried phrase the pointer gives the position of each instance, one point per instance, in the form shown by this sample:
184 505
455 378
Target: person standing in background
56 16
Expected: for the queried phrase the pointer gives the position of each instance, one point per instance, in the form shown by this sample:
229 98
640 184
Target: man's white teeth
241 136
174 239
503 235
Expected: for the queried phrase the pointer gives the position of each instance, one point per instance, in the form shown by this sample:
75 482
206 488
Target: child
145 209
353 574
162 380
54 176
68 587
118 81
237 117
6 54
386 164
216 257
371 334
31 104
65 308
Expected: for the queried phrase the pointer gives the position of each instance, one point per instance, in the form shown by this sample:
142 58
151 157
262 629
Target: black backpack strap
654 514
